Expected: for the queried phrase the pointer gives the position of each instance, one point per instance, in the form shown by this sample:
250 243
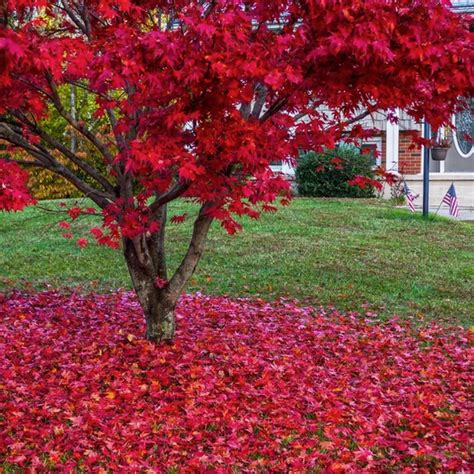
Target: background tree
197 97
45 184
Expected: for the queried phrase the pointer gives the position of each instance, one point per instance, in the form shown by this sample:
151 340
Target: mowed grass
351 254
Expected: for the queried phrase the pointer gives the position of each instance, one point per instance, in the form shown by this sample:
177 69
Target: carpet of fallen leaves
248 386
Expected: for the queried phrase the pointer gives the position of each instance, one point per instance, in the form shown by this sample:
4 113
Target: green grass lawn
346 253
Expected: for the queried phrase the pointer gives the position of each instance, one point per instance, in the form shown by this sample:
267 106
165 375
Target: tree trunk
157 303
160 320
145 257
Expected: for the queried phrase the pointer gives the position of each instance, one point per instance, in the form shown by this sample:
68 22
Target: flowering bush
247 386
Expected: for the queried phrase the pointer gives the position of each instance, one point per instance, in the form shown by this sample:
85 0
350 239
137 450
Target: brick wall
409 158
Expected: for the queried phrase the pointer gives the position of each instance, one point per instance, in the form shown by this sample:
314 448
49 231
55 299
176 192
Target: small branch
21 162
86 19
120 140
77 125
261 95
88 89
33 86
169 195
79 22
357 118
274 108
282 101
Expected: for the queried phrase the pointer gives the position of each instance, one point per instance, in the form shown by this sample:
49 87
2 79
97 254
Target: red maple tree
200 96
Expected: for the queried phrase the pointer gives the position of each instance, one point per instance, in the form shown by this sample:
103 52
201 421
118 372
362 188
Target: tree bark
158 304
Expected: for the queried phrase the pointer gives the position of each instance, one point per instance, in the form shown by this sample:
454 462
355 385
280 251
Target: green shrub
327 174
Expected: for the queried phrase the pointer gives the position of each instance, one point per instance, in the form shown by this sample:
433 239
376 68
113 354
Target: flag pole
426 170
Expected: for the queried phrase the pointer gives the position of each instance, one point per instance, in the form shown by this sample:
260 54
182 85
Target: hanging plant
441 145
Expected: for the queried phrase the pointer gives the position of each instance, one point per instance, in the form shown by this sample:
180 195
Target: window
464 130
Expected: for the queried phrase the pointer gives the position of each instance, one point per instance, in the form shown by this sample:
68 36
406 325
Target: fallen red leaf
247 386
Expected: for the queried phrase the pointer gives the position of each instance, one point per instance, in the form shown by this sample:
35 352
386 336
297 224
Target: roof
463 6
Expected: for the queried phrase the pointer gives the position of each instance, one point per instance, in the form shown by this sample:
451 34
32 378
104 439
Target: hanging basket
438 153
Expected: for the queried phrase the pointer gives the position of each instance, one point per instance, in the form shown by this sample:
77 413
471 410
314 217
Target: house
458 168
394 144
396 152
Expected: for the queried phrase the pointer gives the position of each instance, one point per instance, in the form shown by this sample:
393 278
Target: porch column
287 168
392 144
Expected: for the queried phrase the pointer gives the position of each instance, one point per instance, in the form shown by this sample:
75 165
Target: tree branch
33 86
165 198
88 89
195 250
47 161
261 95
56 100
77 20
352 120
22 162
157 244
355 119
86 167
274 108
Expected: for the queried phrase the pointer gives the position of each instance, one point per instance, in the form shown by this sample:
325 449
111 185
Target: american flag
451 200
410 197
